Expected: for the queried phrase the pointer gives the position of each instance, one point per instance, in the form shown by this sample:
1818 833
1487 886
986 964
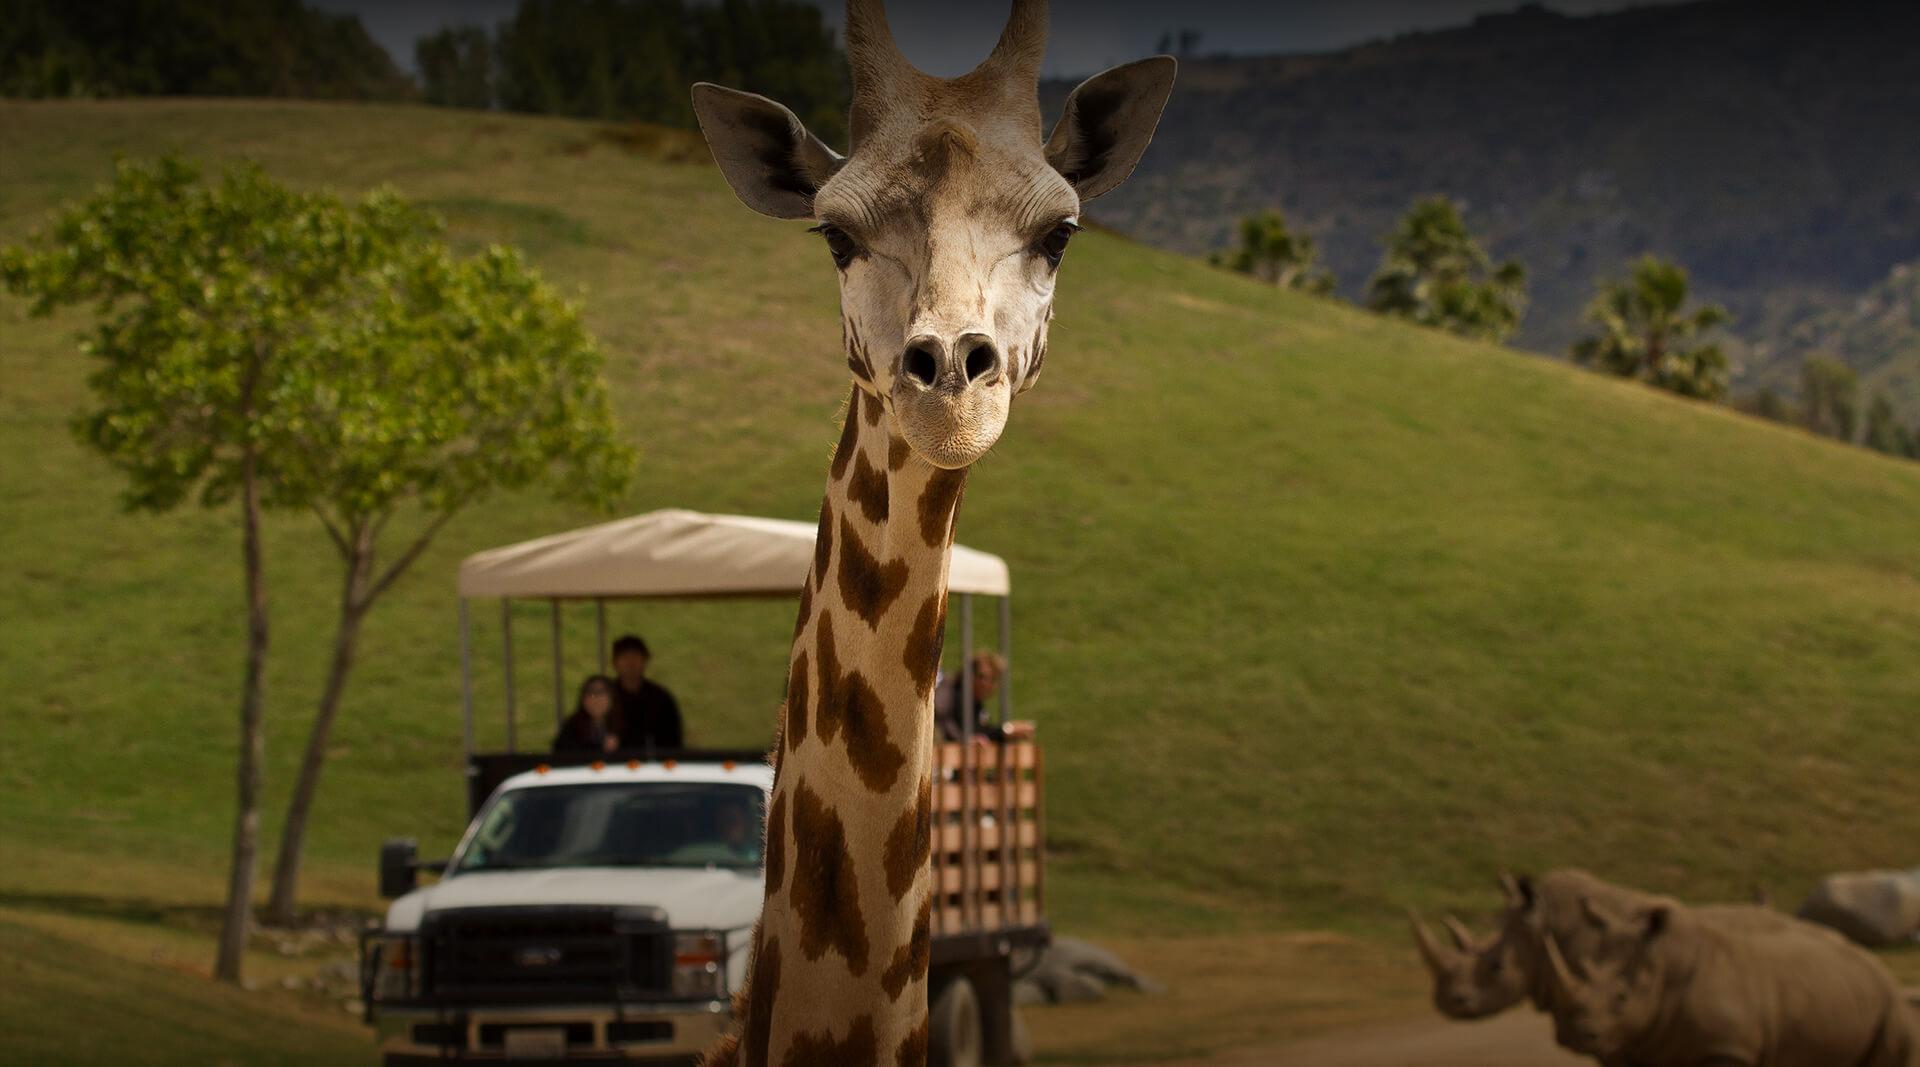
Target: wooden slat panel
952 879
948 838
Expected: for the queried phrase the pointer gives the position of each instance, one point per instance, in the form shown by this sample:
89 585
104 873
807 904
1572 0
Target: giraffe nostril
920 365
981 361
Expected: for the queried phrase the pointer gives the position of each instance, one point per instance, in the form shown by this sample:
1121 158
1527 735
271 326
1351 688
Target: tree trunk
353 608
246 822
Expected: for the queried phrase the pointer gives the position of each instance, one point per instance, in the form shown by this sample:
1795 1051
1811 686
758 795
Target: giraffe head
948 217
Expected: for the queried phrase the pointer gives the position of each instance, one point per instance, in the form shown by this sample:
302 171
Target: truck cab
599 911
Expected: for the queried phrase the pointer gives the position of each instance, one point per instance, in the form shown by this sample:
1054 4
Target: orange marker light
599 765
669 764
633 764
542 769
726 765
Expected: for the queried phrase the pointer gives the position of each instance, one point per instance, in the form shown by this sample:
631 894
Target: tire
955 1037
1020 1041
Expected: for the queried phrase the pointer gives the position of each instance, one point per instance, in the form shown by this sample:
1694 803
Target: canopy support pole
1006 654
559 681
506 653
466 679
969 785
600 630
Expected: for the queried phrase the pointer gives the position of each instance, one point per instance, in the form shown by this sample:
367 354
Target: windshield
641 824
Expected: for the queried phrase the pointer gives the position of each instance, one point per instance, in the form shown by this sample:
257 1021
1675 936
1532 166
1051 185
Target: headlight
398 976
699 965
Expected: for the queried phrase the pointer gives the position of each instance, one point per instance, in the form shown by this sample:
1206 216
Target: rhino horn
1563 976
1430 950
1463 938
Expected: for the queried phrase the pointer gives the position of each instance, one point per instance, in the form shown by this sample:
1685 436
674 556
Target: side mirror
399 866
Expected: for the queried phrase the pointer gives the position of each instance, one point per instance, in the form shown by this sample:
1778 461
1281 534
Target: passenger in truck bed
595 723
988 669
649 716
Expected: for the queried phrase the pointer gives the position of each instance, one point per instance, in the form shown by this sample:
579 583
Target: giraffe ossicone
946 220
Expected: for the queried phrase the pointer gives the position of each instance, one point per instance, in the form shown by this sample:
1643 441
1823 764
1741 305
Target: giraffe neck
842 952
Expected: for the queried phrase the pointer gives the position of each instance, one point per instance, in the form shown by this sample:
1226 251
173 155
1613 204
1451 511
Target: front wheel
954 1032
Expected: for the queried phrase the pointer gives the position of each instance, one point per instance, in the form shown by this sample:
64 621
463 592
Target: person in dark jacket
649 716
594 725
988 669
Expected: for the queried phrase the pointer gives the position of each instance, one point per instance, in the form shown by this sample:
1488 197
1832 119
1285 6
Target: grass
1321 615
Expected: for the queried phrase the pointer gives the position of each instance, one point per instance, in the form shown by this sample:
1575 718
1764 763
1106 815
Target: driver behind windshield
735 841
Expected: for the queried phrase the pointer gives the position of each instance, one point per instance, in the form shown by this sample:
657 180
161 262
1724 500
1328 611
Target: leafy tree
1766 404
439 382
1828 397
50 48
456 67
1647 333
1276 255
633 59
1884 432
1436 274
292 351
203 295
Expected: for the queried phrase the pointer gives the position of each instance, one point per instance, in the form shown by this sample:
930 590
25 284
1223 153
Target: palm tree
1435 273
1647 333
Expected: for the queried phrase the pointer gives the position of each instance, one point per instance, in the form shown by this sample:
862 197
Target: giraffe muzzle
950 398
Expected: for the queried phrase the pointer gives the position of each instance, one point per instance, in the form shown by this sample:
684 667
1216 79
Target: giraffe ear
773 164
1107 123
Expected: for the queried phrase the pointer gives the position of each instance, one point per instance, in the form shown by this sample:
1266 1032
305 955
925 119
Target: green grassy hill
1321 615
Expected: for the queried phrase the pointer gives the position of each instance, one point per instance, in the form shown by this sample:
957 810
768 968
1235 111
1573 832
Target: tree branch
419 545
333 531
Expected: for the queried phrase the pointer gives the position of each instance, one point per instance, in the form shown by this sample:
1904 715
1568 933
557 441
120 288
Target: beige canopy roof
676 553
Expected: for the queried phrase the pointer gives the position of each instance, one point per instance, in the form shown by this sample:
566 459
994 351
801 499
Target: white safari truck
601 909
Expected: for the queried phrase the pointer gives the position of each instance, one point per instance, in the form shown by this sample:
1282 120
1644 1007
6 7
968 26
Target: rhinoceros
1481 976
1676 988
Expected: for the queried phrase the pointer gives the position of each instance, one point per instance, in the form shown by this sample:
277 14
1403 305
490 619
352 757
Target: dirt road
1515 1039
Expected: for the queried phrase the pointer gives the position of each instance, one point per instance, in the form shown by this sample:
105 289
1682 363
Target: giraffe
946 223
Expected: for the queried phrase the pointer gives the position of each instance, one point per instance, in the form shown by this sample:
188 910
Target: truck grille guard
534 954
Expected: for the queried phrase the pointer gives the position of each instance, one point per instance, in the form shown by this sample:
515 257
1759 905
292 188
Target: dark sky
948 38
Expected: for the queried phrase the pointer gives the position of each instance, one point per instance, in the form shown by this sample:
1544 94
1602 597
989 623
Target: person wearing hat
649 716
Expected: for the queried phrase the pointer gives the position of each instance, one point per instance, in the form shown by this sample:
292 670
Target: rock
1873 908
1072 987
1071 971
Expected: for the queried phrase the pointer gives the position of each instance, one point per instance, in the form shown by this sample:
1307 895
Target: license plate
537 1043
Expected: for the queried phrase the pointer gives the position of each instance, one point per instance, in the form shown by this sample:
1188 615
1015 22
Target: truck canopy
678 553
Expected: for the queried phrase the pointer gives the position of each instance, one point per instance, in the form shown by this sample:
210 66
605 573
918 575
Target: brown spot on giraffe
857 360
849 439
867 585
817 1048
870 409
795 729
763 992
913 1047
868 487
822 546
910 961
826 895
924 641
777 844
910 842
848 702
937 504
897 452
806 610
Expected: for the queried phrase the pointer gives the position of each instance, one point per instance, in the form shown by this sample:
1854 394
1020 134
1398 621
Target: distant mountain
1768 147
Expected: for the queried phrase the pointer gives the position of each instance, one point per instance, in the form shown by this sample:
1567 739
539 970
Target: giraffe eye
839 243
1054 244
